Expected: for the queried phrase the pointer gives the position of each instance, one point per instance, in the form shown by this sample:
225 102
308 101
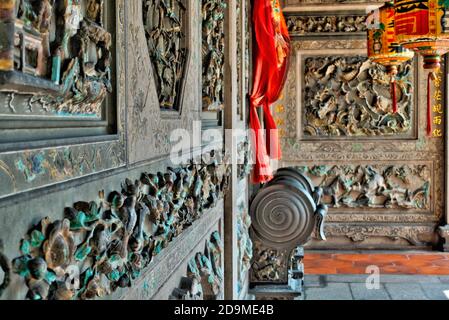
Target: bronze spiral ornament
283 214
294 174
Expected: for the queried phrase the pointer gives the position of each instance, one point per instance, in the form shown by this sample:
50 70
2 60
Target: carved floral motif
102 246
165 27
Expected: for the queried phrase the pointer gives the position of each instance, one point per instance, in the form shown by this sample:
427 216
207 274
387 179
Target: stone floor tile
349 278
397 278
436 291
405 291
314 281
333 291
361 292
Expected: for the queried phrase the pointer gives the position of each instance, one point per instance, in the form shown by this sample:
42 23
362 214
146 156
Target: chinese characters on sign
437 107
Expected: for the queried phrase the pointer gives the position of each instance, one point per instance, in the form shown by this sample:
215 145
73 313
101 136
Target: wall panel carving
422 235
165 30
295 3
104 245
213 13
6 269
245 245
61 57
35 168
406 161
350 96
269 265
204 279
145 110
374 186
317 24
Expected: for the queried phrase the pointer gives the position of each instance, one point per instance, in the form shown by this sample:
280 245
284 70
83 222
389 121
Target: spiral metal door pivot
287 211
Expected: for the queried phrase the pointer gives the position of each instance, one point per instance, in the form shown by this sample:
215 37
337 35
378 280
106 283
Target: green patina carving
213 13
374 186
245 246
102 246
204 280
5 266
165 28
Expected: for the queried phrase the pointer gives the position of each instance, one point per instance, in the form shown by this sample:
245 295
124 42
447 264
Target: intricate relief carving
109 243
204 274
289 3
239 62
61 55
415 235
245 245
213 12
165 27
303 25
245 160
269 265
374 186
6 268
350 96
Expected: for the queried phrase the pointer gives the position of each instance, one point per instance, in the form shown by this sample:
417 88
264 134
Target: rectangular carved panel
350 96
213 13
374 186
385 190
329 24
60 56
33 164
165 30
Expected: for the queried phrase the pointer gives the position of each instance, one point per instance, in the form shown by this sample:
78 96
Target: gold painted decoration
382 45
423 26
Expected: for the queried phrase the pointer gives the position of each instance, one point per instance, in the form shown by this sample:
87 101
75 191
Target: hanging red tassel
271 134
393 96
429 105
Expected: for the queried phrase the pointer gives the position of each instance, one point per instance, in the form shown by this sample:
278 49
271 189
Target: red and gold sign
423 26
382 45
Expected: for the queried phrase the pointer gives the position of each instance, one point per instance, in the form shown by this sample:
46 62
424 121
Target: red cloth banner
271 52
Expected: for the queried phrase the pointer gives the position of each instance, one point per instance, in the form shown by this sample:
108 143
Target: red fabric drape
271 52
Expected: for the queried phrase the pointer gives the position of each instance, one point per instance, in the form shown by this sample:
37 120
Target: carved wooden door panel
382 177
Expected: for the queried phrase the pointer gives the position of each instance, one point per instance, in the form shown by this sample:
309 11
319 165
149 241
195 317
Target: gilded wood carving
350 96
165 30
213 15
102 246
